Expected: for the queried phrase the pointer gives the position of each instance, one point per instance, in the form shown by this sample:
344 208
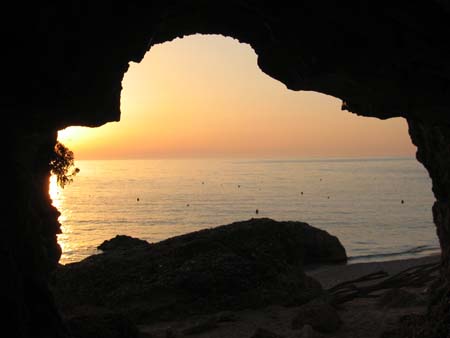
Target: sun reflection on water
57 196
54 190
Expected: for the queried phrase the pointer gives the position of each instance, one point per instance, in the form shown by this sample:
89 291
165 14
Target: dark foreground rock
101 325
241 265
263 333
320 316
397 298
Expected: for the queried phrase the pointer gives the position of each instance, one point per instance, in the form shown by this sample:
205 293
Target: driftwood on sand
416 276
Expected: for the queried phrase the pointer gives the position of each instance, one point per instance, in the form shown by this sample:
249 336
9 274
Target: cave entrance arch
208 87
383 59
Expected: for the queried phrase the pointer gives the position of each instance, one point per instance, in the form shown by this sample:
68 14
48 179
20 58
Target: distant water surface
357 200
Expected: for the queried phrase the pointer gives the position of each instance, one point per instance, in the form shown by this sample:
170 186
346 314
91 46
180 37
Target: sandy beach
361 317
334 274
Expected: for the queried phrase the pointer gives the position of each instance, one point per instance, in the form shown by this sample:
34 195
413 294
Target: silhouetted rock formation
65 62
123 242
241 265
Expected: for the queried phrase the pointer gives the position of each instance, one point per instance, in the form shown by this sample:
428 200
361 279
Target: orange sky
204 96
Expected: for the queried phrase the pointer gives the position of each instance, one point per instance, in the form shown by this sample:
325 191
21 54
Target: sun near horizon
204 96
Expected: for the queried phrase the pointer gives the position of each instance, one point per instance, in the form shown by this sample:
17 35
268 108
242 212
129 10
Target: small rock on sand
320 316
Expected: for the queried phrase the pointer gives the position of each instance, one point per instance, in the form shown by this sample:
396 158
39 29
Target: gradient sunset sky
204 96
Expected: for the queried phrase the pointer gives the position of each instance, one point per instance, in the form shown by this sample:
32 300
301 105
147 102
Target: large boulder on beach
309 244
241 265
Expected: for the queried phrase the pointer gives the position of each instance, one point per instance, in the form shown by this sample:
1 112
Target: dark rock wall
29 248
433 151
63 64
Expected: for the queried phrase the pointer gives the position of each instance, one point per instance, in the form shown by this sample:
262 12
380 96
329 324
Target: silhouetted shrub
62 165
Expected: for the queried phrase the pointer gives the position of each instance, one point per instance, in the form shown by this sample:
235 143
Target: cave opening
199 108
385 59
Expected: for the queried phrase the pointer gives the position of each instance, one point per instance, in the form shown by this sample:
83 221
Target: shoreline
351 260
330 275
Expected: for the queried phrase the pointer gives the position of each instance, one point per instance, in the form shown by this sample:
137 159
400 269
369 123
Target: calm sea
357 200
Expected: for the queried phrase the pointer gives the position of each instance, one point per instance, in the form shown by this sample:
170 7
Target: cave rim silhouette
87 92
219 37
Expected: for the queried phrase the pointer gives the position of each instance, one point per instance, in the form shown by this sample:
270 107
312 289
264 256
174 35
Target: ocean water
357 200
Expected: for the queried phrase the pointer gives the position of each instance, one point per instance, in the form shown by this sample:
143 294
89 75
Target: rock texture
242 265
321 317
397 298
64 63
433 151
101 325
29 250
